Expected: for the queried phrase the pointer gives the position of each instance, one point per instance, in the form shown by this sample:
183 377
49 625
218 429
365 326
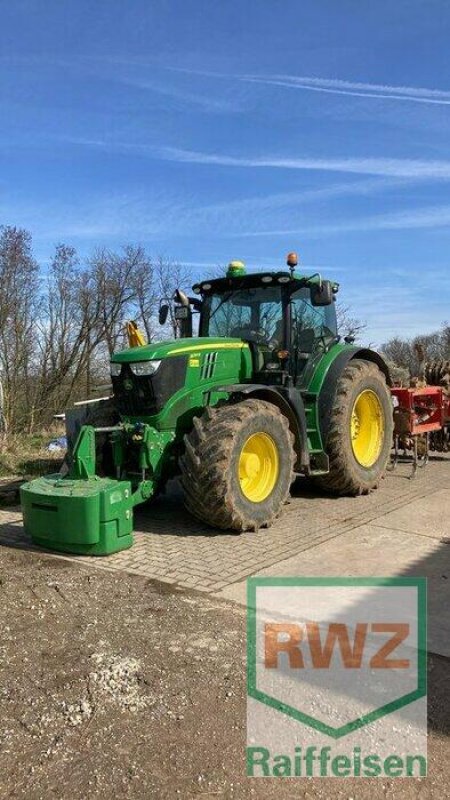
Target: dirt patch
113 687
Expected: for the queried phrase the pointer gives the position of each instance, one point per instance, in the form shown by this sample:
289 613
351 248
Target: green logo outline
336 733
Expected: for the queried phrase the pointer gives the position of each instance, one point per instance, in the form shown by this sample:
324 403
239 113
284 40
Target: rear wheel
360 431
238 465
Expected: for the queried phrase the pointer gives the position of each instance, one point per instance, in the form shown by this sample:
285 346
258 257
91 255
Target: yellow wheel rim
259 467
367 428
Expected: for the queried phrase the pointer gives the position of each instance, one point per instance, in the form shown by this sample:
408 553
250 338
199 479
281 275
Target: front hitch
88 514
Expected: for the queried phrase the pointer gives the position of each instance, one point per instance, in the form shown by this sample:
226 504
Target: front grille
146 395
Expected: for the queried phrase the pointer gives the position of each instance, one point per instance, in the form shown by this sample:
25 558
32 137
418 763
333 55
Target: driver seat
257 354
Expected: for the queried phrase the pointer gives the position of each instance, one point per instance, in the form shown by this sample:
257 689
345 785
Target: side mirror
322 293
163 314
196 303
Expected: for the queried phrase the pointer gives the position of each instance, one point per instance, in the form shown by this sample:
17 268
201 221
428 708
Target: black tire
210 465
347 476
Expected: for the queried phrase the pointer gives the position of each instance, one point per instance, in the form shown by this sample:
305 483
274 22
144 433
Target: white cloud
180 97
388 167
432 217
289 200
414 94
398 168
354 88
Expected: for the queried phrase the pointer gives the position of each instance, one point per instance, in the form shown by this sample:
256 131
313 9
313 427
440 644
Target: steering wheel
259 336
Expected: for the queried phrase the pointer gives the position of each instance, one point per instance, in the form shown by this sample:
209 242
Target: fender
290 403
329 386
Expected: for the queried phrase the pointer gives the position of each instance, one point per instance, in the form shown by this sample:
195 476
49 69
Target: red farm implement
421 420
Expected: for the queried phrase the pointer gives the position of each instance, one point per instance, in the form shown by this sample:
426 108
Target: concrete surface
428 516
400 529
379 552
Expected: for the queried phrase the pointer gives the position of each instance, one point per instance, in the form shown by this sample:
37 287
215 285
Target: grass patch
26 455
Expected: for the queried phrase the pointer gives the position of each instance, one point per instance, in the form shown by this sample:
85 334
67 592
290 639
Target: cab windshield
256 314
252 314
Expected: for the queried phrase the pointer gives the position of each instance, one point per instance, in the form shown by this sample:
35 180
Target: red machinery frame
417 412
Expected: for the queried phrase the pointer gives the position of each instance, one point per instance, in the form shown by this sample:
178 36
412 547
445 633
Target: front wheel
238 465
360 431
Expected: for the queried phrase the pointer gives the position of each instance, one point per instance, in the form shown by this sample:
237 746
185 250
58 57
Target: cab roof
253 280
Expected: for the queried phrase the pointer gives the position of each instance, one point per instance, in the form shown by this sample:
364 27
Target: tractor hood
176 347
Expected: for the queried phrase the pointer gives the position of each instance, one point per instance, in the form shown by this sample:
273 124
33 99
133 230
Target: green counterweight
84 513
90 517
80 512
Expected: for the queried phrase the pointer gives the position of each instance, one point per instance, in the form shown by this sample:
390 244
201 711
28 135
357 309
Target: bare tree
19 307
348 324
112 283
410 354
169 276
69 312
146 297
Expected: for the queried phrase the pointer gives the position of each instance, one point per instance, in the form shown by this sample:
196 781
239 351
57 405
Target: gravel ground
114 686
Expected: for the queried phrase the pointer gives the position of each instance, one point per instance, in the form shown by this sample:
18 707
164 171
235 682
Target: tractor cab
287 319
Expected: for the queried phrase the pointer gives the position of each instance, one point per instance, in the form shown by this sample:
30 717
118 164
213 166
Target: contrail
354 88
392 167
382 91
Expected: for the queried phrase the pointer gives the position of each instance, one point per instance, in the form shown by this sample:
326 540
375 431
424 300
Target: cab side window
310 322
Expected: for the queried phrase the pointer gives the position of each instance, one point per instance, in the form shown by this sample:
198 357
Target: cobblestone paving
173 548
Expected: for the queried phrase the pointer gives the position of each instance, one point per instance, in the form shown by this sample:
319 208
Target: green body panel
321 371
174 347
311 392
232 364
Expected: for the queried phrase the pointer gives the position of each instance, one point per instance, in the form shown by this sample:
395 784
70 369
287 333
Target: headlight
144 367
115 370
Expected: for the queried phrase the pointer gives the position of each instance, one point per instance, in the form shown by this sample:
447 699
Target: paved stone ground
173 548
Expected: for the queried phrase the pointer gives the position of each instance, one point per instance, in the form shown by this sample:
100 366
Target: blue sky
211 130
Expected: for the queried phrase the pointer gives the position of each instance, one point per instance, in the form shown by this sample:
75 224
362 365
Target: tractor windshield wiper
224 300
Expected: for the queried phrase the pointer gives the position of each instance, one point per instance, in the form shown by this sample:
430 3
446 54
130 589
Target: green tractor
266 391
